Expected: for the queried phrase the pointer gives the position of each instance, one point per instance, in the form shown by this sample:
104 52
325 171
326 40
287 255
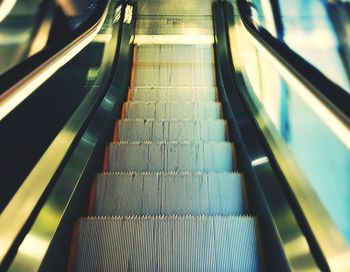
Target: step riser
141 130
167 244
166 54
174 75
177 111
153 194
209 157
162 94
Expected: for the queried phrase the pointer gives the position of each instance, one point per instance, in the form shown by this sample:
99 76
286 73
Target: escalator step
176 74
171 156
169 194
167 244
203 94
157 130
173 54
173 110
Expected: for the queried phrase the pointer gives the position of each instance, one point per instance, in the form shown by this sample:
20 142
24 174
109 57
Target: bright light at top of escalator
174 39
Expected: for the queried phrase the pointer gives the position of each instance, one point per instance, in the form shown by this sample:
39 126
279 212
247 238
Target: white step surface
171 156
174 130
169 194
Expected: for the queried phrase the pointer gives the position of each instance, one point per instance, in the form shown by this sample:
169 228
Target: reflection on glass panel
28 26
318 30
320 152
325 158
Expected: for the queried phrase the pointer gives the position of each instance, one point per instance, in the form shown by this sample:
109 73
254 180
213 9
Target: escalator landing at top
171 7
174 22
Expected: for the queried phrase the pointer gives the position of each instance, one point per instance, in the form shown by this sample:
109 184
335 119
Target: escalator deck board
162 243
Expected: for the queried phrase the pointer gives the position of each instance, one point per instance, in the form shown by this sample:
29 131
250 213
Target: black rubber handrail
334 96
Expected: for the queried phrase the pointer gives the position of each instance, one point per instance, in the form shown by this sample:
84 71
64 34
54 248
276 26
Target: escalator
169 199
163 165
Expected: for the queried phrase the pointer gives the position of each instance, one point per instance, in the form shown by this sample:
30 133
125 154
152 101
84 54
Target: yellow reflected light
25 199
27 85
5 8
34 247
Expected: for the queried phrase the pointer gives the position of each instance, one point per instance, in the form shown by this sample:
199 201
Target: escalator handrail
322 232
24 79
331 95
13 219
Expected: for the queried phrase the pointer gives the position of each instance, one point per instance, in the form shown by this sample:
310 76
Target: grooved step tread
173 110
173 94
171 156
169 194
163 130
175 54
189 243
174 74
